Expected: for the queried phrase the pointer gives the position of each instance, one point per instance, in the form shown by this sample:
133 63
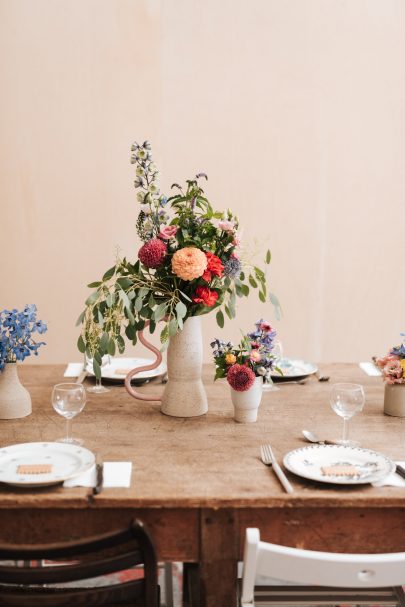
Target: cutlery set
268 458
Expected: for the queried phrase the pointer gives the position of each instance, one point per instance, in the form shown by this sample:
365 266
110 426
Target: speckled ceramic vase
394 400
15 400
246 404
184 394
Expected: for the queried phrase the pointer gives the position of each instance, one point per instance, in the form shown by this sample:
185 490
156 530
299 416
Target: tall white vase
15 400
184 394
246 404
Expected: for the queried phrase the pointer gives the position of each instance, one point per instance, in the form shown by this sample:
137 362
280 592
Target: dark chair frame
22 586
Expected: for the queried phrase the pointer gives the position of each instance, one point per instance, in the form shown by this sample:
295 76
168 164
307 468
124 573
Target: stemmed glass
277 352
346 400
68 400
98 388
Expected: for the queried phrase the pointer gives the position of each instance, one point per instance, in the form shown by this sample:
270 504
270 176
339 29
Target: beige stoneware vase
394 400
184 394
246 404
15 400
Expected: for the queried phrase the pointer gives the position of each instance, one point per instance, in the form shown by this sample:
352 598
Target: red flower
152 253
205 296
240 378
214 266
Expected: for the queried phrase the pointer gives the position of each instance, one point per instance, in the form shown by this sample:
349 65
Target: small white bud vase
15 400
394 400
246 404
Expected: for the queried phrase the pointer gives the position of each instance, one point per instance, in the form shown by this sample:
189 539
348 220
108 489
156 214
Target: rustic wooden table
198 483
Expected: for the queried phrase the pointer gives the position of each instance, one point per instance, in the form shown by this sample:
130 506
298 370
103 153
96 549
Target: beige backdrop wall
294 108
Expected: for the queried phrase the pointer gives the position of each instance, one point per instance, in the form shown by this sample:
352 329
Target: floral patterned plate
293 369
338 464
20 465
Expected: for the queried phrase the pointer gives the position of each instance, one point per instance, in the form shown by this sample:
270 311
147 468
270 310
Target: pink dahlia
153 253
240 378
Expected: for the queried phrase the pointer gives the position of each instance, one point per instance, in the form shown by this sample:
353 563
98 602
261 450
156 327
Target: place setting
113 371
65 460
339 461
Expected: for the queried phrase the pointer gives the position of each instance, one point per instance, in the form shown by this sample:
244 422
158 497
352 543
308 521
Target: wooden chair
88 558
360 579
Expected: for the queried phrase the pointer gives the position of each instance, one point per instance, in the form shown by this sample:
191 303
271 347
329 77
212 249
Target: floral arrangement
393 364
16 329
189 264
250 359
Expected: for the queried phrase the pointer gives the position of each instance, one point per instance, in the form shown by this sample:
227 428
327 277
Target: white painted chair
325 578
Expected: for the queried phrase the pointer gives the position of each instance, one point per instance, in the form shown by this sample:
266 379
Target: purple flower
232 267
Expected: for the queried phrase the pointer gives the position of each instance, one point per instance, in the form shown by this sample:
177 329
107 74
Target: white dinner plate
312 462
119 368
294 368
67 461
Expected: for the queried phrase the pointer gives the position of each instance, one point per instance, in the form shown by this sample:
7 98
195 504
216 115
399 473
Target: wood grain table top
210 461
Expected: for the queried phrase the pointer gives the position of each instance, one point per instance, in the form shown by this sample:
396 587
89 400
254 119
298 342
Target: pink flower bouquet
393 364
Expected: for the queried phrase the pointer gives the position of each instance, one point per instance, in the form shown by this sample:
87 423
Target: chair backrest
87 558
319 568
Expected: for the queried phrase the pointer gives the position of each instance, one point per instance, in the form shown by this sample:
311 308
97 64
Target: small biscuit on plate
347 470
34 469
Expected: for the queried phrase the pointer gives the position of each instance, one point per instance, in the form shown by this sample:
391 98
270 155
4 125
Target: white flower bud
140 172
146 209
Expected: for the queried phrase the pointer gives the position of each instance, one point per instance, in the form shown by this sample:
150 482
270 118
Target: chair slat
21 586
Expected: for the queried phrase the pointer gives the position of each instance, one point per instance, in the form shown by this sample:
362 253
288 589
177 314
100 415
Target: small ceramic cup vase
246 404
394 400
15 400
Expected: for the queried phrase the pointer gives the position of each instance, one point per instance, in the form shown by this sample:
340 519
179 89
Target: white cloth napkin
73 370
370 369
393 480
115 474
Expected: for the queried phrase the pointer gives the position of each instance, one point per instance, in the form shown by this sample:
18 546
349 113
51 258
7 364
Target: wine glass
277 352
346 400
98 388
68 400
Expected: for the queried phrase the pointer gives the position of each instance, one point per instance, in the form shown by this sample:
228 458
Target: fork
269 459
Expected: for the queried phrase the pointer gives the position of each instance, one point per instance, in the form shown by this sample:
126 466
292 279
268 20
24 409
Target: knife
400 470
99 475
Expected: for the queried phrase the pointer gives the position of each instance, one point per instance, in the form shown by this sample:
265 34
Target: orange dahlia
189 263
